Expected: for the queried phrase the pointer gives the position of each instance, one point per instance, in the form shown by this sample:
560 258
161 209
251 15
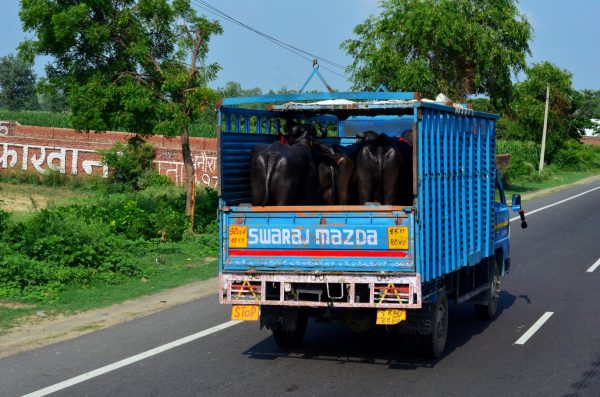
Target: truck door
501 224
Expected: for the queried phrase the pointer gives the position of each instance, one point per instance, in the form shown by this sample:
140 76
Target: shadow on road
380 346
588 381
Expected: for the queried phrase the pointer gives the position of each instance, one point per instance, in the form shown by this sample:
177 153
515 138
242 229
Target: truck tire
488 311
290 338
435 344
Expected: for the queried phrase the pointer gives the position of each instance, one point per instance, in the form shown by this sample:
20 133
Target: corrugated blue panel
445 146
437 219
235 161
456 168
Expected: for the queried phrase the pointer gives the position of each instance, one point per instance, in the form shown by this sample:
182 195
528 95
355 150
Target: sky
567 35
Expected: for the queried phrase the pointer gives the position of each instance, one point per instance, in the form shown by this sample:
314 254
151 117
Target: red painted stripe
320 253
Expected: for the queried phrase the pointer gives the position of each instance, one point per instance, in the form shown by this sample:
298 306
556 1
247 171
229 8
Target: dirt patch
15 305
34 332
19 203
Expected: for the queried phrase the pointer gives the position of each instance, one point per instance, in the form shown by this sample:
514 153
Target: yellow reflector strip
501 225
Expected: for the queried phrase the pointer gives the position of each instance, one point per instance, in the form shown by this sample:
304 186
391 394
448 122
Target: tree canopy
137 65
234 89
17 83
458 47
565 120
590 107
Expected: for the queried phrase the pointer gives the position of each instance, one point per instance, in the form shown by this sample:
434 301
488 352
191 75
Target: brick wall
591 140
35 149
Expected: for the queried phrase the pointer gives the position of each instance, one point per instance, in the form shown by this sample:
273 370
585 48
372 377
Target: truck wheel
436 342
488 310
290 338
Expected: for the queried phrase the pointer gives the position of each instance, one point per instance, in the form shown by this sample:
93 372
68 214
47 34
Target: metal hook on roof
316 72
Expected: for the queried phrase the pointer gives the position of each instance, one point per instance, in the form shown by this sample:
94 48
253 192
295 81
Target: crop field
37 118
205 129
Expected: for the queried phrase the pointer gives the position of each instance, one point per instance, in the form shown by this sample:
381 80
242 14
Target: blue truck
372 264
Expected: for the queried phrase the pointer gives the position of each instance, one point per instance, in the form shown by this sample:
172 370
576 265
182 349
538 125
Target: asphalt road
550 274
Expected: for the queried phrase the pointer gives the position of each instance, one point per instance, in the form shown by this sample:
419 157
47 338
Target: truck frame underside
322 290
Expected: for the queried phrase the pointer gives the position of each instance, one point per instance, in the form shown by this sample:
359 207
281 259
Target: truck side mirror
516 202
516 207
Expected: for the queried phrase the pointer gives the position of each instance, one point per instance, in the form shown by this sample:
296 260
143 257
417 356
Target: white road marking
130 360
594 266
557 203
534 328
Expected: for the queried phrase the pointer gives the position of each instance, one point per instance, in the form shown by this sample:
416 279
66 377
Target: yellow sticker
245 312
398 237
238 236
390 316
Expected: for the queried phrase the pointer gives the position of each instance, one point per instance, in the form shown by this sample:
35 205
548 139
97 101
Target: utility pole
545 129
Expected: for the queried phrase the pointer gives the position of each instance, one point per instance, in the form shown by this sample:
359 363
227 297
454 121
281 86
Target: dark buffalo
338 178
384 169
286 174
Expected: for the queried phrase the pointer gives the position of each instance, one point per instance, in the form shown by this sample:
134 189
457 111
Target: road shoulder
36 332
545 192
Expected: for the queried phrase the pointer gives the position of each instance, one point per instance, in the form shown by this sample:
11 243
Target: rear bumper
321 290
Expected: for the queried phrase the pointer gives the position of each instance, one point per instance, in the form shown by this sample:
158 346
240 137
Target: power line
301 53
229 17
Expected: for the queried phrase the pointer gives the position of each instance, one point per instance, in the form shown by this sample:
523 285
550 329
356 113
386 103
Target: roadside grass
167 266
553 178
160 263
25 198
9 316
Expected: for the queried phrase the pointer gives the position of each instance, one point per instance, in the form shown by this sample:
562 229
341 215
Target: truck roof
345 104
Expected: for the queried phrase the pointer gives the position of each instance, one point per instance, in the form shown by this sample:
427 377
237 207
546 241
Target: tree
137 65
458 47
17 83
590 107
234 89
565 120
51 97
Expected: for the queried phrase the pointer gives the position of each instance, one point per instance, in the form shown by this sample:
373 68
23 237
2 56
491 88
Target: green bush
151 178
127 163
52 177
25 278
64 246
209 240
62 237
207 201
20 177
4 218
517 169
574 156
